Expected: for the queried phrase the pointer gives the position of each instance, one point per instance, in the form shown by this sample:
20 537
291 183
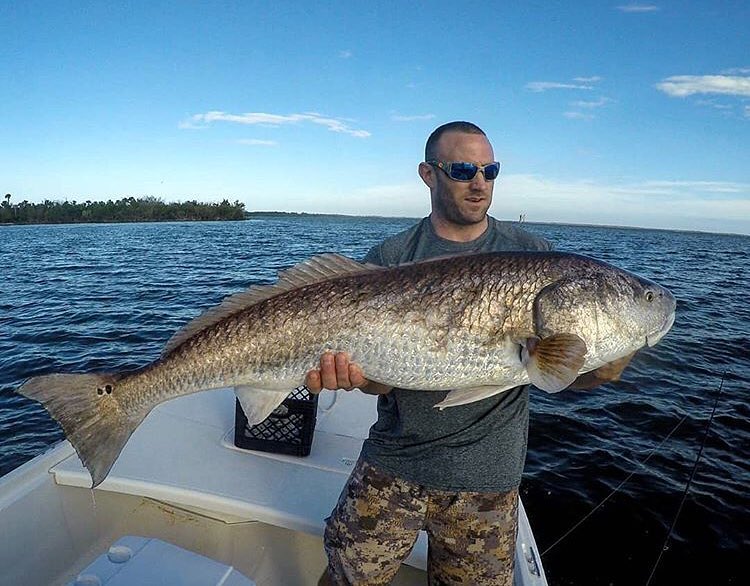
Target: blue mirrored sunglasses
463 171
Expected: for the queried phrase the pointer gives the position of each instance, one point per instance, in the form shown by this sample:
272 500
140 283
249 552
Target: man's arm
336 371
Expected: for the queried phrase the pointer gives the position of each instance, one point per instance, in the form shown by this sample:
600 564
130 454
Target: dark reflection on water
107 297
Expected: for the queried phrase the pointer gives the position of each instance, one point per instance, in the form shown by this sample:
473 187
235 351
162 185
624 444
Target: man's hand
337 372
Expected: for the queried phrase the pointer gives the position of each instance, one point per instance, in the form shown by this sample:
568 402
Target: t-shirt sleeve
533 242
544 244
374 256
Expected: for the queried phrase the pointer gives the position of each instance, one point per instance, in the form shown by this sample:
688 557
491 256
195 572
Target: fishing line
690 480
617 488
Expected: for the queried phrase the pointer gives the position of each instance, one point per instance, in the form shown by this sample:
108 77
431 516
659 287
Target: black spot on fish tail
93 421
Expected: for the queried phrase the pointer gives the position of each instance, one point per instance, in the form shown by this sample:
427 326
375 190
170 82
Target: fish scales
412 310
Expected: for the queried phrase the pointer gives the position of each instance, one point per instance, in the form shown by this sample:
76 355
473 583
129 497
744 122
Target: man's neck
458 232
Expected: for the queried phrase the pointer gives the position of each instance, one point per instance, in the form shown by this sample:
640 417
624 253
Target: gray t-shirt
476 447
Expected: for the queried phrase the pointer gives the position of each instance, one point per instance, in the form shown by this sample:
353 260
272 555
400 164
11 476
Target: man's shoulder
391 249
517 238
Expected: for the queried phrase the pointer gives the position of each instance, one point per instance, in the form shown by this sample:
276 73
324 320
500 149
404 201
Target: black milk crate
287 430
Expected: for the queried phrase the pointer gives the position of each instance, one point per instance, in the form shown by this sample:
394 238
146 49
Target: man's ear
427 173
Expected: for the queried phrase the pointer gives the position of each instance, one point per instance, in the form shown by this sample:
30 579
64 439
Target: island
126 209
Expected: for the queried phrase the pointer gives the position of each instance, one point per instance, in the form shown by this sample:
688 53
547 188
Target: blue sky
601 112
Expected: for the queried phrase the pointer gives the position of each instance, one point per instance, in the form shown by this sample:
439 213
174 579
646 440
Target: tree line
126 209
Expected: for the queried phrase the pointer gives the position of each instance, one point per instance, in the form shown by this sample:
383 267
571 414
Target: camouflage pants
471 535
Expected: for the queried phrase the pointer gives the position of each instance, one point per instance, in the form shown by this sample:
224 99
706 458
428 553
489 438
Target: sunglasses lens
463 171
492 171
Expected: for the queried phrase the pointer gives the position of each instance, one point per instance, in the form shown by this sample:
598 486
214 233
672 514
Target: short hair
430 149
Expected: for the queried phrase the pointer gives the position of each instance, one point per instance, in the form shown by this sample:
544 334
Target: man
454 472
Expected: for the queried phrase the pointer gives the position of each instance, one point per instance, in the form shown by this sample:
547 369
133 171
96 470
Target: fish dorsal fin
321 268
314 270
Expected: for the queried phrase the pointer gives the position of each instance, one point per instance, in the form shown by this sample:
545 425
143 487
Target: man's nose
478 181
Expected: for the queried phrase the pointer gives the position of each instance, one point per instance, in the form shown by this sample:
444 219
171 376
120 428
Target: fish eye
649 296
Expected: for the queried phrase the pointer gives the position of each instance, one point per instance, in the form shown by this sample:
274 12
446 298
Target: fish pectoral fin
553 363
258 404
471 394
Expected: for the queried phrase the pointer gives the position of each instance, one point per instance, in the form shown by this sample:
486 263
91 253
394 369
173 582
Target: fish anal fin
314 270
554 362
258 404
471 394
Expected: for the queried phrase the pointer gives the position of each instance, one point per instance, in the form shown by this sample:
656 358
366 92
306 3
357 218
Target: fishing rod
665 546
616 489
639 466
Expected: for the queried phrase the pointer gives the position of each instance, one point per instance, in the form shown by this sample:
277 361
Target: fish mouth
654 337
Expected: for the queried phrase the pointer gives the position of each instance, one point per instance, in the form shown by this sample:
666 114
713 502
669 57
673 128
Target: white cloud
591 104
638 8
265 119
407 199
686 205
578 115
688 187
582 83
715 105
345 54
680 86
399 118
542 86
257 142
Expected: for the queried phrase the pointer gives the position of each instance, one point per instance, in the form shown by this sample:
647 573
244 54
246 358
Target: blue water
107 297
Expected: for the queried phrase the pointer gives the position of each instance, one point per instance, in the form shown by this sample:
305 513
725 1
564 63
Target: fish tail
86 407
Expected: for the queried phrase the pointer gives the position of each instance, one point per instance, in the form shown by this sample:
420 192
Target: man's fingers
356 376
313 382
328 371
342 371
335 372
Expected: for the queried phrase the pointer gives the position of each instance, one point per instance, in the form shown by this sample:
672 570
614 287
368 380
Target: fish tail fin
86 407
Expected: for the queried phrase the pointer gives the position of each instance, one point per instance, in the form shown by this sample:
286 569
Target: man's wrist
373 388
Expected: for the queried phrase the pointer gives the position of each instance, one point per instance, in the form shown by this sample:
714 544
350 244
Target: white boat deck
184 454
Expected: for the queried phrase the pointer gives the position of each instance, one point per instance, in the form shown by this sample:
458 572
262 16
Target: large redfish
477 324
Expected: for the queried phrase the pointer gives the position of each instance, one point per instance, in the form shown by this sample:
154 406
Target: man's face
462 203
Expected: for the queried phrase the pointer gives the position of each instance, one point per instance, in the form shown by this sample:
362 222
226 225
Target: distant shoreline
124 210
293 215
261 215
